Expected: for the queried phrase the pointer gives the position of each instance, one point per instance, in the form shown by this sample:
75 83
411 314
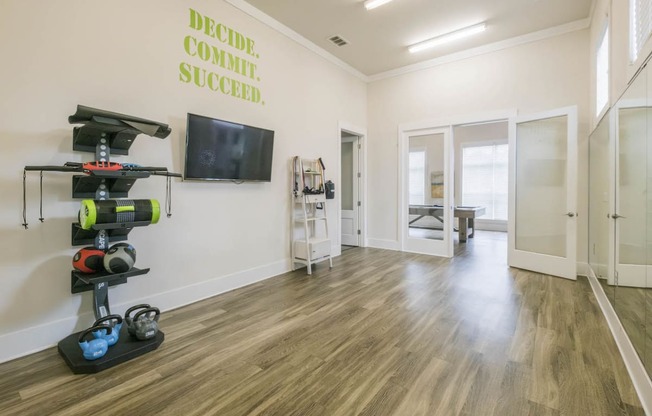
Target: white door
631 182
426 214
350 191
543 193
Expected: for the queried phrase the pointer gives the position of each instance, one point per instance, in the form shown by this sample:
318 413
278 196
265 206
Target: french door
543 192
426 174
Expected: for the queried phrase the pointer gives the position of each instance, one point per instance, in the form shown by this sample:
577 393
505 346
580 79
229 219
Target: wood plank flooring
382 333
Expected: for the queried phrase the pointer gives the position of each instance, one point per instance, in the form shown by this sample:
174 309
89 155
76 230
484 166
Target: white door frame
442 248
355 185
361 132
563 267
447 122
613 137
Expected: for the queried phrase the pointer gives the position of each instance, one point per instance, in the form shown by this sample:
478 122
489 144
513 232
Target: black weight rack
104 133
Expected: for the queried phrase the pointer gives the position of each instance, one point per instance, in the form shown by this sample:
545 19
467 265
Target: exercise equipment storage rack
104 133
309 223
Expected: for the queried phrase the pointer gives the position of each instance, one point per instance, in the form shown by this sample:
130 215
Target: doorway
542 179
352 187
478 142
349 202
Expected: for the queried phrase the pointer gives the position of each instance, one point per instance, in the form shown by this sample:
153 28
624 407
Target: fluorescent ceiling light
448 37
372 4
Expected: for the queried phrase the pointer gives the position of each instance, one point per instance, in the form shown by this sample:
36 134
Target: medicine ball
88 260
120 258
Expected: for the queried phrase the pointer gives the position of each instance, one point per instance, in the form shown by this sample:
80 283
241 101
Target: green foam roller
113 211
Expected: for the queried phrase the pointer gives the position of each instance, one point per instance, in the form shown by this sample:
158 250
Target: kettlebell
130 320
95 348
110 337
145 324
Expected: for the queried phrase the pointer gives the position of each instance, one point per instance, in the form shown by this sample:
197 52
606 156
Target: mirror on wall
599 221
647 359
629 213
620 211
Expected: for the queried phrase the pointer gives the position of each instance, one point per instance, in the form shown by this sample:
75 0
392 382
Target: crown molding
481 50
281 28
257 14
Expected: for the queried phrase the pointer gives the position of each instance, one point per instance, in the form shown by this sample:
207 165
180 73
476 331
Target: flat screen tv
224 151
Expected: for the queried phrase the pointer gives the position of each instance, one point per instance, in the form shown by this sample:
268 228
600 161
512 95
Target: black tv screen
222 150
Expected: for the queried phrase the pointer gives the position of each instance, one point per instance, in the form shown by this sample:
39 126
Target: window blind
602 73
641 25
485 179
417 177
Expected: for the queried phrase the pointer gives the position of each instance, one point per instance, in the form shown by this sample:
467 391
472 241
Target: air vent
338 40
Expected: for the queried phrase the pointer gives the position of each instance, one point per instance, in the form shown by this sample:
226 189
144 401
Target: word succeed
229 86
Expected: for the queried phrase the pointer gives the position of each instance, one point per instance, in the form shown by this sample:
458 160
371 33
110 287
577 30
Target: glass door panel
543 185
427 225
541 176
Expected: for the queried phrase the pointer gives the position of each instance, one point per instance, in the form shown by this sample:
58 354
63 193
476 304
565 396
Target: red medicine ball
88 260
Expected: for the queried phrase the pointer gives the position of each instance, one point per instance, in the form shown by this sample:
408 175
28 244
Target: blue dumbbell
110 337
95 348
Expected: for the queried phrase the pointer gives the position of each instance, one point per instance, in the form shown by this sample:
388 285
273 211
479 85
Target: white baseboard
491 225
639 376
582 269
49 334
385 244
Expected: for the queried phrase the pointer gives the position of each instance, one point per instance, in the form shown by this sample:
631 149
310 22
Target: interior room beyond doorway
481 160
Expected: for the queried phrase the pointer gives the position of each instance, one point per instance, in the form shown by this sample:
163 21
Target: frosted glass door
631 198
543 183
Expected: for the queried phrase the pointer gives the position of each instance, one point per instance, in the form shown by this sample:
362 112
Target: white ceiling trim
264 18
481 50
281 28
592 12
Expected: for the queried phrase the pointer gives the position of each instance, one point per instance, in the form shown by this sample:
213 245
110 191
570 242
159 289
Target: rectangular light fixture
372 4
448 37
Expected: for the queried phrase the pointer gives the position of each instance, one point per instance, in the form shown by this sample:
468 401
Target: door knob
570 214
616 216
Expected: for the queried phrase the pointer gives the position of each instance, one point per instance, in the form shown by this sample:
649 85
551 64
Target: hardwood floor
382 333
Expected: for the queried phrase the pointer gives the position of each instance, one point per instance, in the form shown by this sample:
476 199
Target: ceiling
378 38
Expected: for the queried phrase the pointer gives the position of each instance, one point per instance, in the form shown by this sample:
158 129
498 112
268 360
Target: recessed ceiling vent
338 40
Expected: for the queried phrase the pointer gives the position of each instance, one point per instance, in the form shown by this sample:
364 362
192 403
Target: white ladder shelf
309 226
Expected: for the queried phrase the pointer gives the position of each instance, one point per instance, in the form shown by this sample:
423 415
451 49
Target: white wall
534 77
124 56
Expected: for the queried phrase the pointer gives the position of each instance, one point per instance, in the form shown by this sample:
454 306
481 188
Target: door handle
616 216
570 214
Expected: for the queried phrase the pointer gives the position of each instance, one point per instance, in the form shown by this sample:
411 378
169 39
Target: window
484 179
640 25
417 177
602 73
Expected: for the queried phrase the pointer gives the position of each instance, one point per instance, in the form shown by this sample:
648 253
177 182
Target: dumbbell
144 325
110 337
95 348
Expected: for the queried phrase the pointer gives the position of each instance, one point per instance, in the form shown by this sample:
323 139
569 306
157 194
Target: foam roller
94 212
